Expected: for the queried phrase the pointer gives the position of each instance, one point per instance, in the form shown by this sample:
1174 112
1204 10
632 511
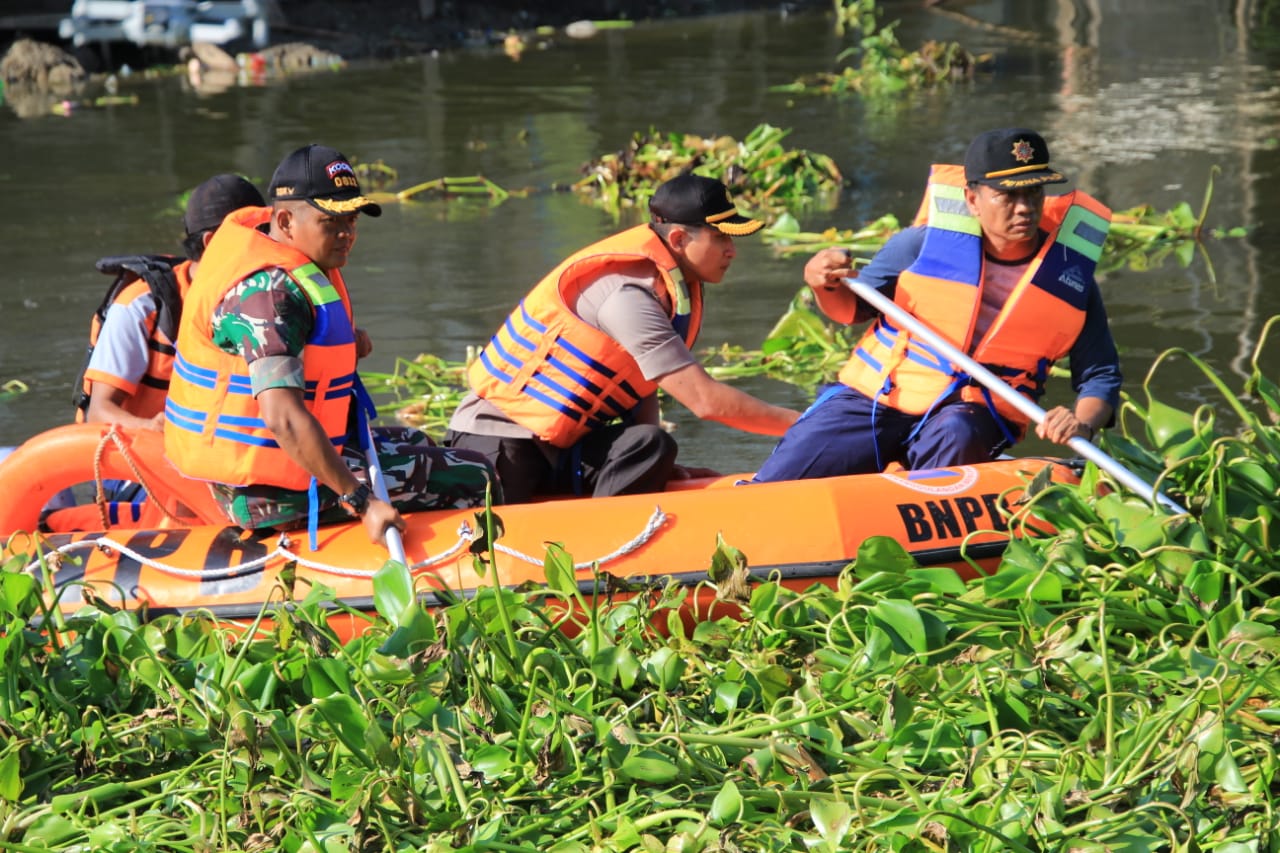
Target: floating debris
11 389
764 176
380 181
884 66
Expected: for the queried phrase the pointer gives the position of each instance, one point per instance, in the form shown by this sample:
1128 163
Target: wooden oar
395 544
1005 391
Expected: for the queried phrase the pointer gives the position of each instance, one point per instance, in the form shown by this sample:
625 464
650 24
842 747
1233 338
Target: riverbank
389 29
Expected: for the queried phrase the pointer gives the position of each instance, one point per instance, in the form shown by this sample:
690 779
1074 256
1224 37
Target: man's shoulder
261 291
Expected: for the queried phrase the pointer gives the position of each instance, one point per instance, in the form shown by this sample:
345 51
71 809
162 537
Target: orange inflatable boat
179 556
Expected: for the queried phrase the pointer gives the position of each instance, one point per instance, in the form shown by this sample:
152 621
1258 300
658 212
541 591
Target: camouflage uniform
266 320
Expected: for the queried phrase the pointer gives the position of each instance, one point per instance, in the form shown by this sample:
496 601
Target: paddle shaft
1005 391
395 544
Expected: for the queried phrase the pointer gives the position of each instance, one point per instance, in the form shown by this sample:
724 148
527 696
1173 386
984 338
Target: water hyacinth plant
765 177
883 67
1113 686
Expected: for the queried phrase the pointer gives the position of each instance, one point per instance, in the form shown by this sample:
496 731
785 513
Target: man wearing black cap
130 359
1006 275
564 396
265 402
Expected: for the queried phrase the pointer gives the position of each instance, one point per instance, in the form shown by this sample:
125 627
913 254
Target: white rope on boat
656 520
465 536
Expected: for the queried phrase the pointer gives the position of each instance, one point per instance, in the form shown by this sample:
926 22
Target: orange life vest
213 427
1038 324
137 276
559 377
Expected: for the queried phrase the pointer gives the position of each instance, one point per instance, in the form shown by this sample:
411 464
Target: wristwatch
357 500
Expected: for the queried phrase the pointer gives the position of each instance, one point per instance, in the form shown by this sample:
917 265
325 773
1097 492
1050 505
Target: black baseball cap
210 202
1010 158
322 177
695 200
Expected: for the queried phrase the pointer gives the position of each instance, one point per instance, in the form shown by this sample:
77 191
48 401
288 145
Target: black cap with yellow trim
322 177
696 200
1010 158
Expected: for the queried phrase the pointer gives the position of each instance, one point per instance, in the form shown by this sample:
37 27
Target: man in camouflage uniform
265 321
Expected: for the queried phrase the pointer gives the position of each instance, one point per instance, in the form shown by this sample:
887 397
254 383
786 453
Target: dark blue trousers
845 432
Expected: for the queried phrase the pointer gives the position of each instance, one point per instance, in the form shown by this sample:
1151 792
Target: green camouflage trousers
419 476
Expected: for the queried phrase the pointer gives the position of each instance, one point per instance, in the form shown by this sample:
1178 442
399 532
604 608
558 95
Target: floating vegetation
424 391
11 389
1112 686
803 348
379 180
1140 238
787 239
884 67
765 177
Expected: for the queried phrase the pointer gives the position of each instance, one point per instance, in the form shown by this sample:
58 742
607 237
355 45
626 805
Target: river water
1139 99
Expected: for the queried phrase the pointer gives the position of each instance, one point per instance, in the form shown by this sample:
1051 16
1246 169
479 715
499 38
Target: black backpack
157 271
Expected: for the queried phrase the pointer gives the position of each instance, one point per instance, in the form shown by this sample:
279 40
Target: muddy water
1139 104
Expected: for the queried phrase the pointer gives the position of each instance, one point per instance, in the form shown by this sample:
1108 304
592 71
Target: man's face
707 253
1008 217
325 238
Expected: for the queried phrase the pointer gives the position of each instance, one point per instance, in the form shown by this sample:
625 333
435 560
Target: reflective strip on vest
1084 231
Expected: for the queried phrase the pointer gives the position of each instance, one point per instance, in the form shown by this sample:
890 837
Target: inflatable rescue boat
177 554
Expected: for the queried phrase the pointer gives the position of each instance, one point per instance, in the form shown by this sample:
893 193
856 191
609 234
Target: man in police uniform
564 396
1006 275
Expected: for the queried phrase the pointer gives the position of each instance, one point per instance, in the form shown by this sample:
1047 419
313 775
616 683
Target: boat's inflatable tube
84 453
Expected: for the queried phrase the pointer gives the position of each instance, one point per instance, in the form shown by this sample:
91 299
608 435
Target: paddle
1004 391
395 545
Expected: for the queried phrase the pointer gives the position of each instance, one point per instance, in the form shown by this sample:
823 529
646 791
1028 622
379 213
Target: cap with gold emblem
1010 158
697 200
322 177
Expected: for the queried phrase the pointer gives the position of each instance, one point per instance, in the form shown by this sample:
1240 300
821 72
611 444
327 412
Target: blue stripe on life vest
540 328
496 345
332 326
950 256
245 438
242 421
866 357
240 384
200 376
180 416
580 417
582 403
598 367
493 371
516 336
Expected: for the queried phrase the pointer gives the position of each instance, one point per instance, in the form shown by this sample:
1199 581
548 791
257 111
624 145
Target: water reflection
1138 101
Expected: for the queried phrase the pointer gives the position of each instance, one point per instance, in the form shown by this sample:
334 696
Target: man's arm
119 363
712 400
266 320
826 271
1095 375
302 437
632 316
106 405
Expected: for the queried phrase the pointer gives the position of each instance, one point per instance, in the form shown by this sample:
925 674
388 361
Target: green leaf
325 677
882 554
559 571
903 619
393 592
726 808
10 777
833 818
348 722
648 766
